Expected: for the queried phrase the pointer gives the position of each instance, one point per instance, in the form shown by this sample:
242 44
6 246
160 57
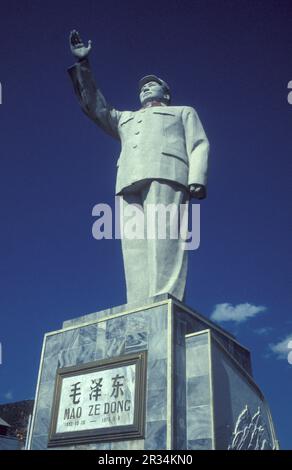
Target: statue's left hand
198 191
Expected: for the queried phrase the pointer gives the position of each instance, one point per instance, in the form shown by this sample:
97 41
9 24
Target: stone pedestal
199 390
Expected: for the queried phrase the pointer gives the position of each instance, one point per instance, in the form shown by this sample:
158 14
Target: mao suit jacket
159 142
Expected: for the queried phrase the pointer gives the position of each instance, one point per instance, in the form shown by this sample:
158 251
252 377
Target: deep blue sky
232 61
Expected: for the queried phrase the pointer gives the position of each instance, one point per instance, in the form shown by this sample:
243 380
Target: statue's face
152 91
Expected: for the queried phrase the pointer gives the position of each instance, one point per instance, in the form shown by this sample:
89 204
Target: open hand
77 47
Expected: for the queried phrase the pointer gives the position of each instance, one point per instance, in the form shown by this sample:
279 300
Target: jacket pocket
164 113
126 121
176 153
167 115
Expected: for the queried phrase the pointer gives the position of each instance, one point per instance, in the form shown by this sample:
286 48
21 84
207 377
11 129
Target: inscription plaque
99 401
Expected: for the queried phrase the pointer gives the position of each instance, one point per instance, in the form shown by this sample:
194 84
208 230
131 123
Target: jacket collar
150 104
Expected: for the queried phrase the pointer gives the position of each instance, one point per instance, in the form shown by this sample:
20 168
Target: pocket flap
164 113
175 153
126 120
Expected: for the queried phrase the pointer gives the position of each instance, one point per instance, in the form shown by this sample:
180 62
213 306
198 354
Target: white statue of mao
163 160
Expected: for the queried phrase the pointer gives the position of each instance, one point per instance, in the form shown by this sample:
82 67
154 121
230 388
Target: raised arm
89 96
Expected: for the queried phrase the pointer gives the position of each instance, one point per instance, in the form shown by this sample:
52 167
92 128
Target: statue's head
153 88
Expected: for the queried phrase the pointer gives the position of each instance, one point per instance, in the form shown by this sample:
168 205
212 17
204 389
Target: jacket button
135 146
137 133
